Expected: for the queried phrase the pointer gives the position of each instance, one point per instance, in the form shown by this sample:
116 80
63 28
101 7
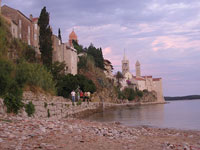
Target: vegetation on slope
19 72
91 65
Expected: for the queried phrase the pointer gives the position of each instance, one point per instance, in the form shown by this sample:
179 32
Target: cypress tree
59 35
45 40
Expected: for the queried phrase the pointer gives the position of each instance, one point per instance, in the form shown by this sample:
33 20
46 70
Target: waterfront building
141 82
27 29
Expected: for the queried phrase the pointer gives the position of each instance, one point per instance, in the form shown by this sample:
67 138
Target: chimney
31 17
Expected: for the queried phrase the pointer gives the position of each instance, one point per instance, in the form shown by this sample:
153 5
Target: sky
163 35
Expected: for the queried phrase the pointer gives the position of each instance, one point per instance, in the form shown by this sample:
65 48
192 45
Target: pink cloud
174 42
107 51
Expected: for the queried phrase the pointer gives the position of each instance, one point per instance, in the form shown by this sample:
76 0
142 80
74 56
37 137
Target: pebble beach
17 133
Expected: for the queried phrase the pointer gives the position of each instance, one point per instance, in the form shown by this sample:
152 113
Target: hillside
105 88
189 97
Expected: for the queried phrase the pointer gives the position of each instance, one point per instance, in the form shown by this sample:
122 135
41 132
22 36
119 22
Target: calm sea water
177 114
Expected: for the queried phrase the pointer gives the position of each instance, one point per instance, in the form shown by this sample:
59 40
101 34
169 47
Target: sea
180 114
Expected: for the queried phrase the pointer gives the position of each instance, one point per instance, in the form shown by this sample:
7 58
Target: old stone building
125 65
36 33
23 23
142 82
72 37
65 52
138 70
27 30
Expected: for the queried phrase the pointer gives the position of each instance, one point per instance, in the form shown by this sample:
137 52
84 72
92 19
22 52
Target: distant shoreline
190 97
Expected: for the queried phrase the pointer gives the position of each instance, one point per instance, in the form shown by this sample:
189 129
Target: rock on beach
35 133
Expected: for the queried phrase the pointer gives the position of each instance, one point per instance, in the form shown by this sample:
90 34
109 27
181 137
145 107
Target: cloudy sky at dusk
164 35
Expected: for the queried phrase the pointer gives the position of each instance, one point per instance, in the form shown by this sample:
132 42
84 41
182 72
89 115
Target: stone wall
56 107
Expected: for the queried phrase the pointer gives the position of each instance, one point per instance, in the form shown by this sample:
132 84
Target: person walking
78 96
81 95
85 96
88 95
73 96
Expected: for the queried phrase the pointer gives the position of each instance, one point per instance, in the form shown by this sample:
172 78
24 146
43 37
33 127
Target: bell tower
125 64
138 69
72 37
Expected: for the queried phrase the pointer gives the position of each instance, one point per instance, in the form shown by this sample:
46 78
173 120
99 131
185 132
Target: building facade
23 23
125 65
65 52
27 30
143 82
138 69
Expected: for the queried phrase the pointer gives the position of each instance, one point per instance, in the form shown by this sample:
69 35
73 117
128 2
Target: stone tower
72 37
137 68
125 65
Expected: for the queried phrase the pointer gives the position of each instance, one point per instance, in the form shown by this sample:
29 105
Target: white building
141 82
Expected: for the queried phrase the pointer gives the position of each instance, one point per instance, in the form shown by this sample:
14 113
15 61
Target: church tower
125 65
72 37
137 68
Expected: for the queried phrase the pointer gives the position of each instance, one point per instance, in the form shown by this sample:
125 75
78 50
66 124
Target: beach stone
43 129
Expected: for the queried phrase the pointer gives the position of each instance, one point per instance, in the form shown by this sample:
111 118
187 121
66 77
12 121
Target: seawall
59 107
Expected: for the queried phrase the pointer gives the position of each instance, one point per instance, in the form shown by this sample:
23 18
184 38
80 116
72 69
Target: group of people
79 95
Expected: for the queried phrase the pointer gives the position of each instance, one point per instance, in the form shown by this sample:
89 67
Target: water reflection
177 114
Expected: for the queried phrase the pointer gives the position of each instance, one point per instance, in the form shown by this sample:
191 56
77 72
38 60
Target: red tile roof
34 19
157 79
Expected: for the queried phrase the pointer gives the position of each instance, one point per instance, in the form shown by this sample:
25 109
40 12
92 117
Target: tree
45 40
59 35
58 70
78 47
118 77
97 55
129 94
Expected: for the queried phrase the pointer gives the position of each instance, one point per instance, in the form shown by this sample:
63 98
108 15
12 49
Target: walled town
45 119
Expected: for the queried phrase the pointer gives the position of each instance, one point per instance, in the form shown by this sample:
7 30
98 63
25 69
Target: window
35 26
35 37
29 42
20 24
29 30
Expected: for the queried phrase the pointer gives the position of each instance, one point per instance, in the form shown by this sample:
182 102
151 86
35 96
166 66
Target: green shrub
69 83
6 69
13 99
4 37
82 62
139 93
30 109
79 103
34 75
29 54
58 70
129 93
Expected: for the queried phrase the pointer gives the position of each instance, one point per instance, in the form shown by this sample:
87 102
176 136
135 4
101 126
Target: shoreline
106 106
70 133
